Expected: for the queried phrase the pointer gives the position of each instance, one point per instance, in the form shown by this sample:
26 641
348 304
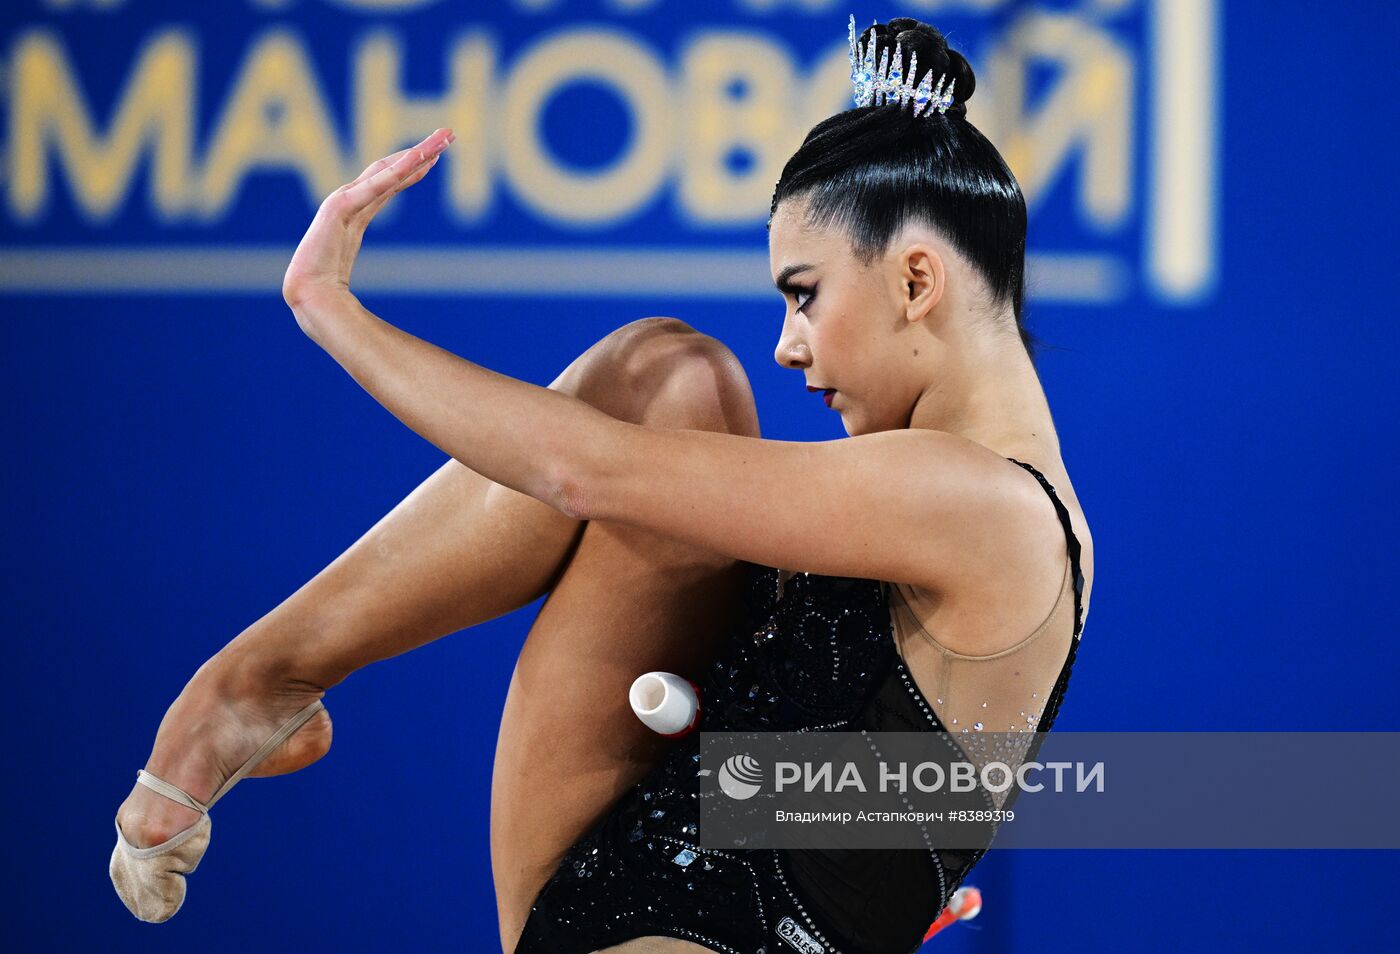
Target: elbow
571 494
585 482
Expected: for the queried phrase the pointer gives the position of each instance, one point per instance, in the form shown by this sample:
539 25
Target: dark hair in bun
873 169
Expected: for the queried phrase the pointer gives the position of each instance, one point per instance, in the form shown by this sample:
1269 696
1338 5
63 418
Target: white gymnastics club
666 703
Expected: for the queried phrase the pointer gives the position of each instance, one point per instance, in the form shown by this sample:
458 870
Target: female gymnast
941 561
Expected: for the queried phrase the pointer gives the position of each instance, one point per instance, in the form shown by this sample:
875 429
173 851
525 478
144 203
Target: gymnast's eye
811 293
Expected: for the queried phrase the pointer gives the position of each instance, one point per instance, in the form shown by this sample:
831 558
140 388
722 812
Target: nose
792 352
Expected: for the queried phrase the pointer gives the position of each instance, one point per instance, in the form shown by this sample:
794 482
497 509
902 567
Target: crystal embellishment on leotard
766 632
832 664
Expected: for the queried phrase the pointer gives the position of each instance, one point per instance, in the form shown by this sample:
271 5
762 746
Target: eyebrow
783 284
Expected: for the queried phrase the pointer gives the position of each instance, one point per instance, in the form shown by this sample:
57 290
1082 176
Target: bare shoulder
1012 572
995 515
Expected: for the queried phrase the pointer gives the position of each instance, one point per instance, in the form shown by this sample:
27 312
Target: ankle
198 717
260 662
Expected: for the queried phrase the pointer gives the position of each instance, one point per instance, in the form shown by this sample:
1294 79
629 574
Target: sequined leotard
816 653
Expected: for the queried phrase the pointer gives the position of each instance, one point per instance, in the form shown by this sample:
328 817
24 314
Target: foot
222 717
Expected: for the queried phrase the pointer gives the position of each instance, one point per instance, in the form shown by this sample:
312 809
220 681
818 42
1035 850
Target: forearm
532 439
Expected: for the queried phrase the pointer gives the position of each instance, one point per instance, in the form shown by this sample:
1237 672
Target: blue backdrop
1211 233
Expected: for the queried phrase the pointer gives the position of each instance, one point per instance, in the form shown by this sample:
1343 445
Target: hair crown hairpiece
887 86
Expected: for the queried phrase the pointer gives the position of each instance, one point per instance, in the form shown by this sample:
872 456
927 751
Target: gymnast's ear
924 279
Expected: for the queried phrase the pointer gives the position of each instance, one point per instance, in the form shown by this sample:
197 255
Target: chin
857 426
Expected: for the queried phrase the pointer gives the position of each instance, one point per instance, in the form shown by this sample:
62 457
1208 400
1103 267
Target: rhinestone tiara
887 86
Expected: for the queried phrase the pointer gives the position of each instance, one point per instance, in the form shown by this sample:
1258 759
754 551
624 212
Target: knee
661 372
687 379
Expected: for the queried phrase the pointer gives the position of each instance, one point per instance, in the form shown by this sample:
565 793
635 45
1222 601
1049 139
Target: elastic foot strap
175 794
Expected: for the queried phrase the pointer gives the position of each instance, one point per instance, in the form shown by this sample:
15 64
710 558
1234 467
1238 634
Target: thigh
630 601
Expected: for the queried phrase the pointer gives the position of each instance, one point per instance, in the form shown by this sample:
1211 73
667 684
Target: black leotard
817 656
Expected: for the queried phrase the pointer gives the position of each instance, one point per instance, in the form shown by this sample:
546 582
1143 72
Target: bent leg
629 601
457 551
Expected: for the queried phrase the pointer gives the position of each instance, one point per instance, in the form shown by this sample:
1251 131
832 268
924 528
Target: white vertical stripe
1182 242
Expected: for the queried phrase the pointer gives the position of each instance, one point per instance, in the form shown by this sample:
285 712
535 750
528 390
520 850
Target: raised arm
914 506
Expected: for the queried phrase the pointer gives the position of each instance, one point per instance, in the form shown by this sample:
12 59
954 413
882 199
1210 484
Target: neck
988 392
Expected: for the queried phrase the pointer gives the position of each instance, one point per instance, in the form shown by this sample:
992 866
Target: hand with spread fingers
320 268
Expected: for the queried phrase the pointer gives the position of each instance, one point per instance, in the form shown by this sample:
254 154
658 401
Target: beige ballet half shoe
151 881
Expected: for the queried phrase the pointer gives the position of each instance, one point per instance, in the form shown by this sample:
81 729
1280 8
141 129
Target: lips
826 393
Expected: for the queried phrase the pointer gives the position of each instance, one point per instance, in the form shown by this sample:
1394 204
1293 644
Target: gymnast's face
850 327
